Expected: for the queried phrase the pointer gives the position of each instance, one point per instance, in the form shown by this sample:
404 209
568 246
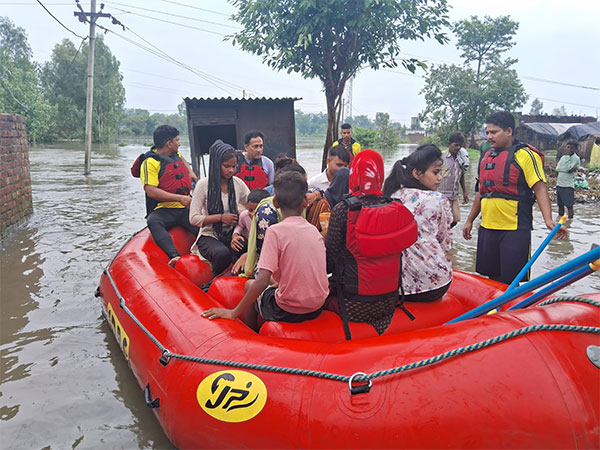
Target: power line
62 24
196 7
154 88
165 78
170 22
568 103
543 80
167 14
561 83
159 53
167 57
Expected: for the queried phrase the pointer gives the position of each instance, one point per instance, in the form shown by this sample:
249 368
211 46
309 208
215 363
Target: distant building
229 119
555 135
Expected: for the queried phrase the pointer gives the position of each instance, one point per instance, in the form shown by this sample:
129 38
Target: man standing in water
346 141
453 175
511 177
565 182
167 180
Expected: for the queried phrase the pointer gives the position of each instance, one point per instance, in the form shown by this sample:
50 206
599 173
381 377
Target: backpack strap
402 295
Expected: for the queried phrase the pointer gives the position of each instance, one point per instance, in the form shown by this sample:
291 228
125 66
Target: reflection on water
64 381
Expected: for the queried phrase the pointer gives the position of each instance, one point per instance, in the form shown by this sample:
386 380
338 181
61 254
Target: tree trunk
333 121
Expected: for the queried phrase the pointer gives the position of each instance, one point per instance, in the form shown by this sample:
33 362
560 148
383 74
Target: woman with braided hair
216 204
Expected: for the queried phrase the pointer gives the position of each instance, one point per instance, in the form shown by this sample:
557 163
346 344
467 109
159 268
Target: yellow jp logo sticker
118 329
232 395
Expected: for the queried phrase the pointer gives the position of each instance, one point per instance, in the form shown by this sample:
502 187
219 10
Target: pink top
294 252
244 222
425 266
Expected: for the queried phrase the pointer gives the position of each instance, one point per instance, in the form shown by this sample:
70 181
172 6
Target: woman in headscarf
216 204
366 236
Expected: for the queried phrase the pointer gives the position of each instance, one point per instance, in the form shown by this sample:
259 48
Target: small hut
585 134
229 119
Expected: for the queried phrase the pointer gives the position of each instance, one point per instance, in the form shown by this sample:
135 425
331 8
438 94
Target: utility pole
348 102
83 17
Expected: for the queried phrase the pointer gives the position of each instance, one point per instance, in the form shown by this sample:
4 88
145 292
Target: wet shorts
269 310
565 196
501 254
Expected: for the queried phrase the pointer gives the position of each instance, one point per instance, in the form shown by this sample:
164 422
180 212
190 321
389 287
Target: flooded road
64 381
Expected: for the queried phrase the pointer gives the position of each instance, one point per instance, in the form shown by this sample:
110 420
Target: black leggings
429 296
161 219
218 252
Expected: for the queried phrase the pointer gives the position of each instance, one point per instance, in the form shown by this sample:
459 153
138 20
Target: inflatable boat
527 378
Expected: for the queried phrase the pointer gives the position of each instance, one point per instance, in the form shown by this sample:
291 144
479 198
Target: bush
365 136
433 139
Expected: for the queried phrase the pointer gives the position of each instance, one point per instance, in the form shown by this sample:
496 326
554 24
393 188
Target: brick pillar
15 180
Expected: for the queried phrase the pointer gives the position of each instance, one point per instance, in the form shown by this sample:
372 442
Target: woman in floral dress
426 270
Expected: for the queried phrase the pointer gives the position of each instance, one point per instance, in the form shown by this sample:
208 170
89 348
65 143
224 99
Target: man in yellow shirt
346 141
167 180
511 178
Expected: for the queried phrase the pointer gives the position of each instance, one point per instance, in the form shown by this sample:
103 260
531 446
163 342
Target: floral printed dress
425 266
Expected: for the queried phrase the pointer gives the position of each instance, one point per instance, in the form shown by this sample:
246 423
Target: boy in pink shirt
293 255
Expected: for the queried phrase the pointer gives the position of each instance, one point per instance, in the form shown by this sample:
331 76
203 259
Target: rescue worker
167 179
511 178
255 169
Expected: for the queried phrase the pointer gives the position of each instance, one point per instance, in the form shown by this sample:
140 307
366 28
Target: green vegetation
537 107
64 82
380 134
20 91
140 123
460 97
332 39
53 97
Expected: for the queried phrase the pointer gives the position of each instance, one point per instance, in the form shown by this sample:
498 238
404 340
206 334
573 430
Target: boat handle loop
165 357
360 388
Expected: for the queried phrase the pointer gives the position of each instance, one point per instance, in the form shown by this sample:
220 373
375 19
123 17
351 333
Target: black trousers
160 220
218 252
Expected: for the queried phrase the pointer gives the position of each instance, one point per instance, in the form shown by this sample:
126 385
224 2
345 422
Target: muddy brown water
63 381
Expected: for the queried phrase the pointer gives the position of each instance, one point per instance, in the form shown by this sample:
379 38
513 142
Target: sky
557 45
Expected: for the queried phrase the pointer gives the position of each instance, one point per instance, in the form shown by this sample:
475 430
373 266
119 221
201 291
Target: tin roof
239 100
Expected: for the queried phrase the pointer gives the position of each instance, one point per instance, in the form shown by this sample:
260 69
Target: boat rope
359 377
570 298
406 367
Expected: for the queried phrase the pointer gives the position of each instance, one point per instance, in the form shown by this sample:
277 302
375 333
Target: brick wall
15 180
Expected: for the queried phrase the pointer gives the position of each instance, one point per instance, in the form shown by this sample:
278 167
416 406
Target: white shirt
319 181
463 159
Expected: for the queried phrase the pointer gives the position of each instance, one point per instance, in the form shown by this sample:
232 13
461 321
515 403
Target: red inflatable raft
489 382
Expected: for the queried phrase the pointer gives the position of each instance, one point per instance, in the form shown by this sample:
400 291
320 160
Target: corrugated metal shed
229 119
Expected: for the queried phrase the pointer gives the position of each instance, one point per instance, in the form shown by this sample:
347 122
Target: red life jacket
501 177
376 236
252 173
173 176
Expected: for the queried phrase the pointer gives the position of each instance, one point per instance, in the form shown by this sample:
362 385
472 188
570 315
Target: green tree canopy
64 79
20 91
332 39
537 107
460 97
560 111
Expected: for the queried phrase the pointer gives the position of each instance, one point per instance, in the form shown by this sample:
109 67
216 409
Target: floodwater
63 381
